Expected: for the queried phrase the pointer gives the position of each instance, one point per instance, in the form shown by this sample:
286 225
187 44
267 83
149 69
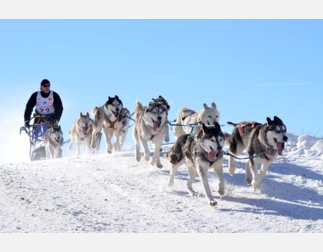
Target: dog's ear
117 97
81 114
269 121
87 114
205 106
278 120
213 105
217 126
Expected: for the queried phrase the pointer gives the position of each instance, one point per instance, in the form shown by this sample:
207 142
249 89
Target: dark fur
263 143
189 149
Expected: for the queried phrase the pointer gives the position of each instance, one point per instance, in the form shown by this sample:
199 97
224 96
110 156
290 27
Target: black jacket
58 106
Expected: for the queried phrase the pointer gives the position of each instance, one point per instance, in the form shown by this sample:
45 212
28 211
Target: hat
44 82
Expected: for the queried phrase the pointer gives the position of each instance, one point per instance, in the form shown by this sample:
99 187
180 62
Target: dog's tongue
212 155
156 126
280 147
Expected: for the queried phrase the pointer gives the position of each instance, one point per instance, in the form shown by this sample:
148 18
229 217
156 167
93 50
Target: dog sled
36 133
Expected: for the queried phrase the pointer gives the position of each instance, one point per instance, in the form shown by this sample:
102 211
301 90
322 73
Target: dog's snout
285 138
219 148
117 109
159 118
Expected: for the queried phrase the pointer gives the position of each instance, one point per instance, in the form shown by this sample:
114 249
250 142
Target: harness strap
111 126
263 155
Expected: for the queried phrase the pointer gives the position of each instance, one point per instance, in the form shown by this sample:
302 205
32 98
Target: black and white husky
53 142
151 125
200 152
263 143
107 117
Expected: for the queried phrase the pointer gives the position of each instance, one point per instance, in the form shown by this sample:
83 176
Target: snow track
116 194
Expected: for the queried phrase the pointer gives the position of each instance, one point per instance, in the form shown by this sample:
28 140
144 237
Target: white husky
190 118
81 133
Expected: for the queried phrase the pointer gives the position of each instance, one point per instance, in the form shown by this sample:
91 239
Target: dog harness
45 106
241 127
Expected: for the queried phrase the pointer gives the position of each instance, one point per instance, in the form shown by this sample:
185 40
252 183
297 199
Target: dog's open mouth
156 124
280 146
86 130
116 114
213 155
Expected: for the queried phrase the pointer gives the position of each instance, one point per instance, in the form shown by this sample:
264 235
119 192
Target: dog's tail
139 108
178 129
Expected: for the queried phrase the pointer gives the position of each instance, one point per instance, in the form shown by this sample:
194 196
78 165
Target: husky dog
106 117
53 141
81 133
207 115
265 141
200 152
151 125
121 126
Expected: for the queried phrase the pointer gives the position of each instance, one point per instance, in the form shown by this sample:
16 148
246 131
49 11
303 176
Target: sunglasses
46 85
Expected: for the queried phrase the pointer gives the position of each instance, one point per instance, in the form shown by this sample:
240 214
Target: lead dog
53 142
106 117
81 133
151 125
200 152
263 143
185 116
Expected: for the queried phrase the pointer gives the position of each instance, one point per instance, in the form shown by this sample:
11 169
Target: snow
116 194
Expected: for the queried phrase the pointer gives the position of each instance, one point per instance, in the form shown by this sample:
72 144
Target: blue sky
250 68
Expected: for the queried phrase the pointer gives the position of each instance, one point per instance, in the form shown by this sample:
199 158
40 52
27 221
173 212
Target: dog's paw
248 180
147 157
232 171
221 191
170 183
159 165
255 185
193 194
213 203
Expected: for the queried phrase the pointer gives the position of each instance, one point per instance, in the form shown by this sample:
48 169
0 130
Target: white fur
207 115
81 134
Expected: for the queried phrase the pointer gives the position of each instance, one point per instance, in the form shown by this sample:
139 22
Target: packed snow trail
116 194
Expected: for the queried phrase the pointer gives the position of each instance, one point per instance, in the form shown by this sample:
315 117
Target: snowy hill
114 193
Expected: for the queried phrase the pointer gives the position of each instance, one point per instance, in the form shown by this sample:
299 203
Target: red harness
111 126
241 127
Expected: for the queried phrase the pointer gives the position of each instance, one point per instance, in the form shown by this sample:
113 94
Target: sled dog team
199 139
